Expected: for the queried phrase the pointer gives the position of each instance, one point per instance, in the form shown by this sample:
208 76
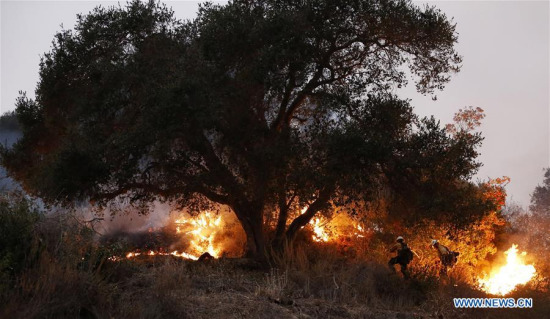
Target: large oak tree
258 105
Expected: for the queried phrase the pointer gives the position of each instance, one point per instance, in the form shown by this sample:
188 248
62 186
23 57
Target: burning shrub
513 272
187 235
218 234
530 231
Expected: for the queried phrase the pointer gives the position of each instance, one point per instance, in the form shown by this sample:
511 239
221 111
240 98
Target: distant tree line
9 122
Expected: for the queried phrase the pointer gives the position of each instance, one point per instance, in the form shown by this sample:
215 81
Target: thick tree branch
291 85
213 162
284 207
302 220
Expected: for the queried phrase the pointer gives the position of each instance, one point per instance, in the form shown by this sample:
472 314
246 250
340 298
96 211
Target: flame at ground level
202 230
506 278
221 234
194 235
159 253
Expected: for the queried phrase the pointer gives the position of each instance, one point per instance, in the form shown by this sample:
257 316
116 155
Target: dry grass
165 287
73 279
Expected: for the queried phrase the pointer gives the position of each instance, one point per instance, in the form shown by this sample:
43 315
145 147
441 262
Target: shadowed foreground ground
166 287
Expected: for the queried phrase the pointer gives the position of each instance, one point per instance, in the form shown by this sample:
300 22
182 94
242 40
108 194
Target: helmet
434 241
399 238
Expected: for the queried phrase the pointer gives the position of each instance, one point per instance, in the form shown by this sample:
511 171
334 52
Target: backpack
455 255
450 259
406 254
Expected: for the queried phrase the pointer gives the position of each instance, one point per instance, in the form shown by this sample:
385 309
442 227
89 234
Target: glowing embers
131 255
507 277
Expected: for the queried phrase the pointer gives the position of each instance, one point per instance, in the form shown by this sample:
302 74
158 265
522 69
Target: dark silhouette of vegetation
264 106
18 217
8 122
540 199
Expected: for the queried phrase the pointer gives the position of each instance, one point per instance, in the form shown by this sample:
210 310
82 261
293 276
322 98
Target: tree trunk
281 227
252 221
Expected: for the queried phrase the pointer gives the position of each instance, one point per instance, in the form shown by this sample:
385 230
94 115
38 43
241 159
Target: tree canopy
260 105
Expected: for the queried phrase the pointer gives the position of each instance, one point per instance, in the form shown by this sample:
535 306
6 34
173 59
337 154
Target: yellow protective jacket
443 251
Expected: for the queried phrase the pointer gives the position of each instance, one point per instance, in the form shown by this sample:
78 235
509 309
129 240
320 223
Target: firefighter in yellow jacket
447 257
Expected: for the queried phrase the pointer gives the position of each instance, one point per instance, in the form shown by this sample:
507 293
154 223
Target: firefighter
447 257
403 256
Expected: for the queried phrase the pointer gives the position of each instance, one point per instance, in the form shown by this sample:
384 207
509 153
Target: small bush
18 220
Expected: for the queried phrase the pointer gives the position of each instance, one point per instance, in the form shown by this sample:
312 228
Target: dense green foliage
263 106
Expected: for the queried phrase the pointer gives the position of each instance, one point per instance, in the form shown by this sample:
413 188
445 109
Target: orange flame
506 278
175 253
319 231
340 226
202 230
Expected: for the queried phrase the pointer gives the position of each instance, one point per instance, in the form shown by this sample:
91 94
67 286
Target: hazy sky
505 45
